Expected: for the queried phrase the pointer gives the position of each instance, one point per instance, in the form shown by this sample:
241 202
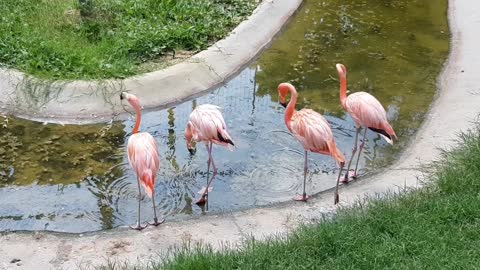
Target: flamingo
312 131
367 112
143 158
206 125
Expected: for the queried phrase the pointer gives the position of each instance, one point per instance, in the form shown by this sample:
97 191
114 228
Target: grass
96 39
437 227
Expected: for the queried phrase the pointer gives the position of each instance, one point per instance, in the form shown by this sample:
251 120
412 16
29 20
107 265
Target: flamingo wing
312 130
368 112
207 124
144 158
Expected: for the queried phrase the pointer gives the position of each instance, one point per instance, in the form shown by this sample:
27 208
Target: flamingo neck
138 118
291 106
343 91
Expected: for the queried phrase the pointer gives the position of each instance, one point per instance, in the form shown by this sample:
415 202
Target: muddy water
76 178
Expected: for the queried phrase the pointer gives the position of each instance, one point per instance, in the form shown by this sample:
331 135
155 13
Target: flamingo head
283 90
131 98
192 150
342 70
189 138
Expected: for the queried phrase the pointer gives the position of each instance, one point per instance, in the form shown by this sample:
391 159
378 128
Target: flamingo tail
336 154
386 132
225 139
148 181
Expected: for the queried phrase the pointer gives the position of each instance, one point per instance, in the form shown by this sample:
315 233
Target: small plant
85 7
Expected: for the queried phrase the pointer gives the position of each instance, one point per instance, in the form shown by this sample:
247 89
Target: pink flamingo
367 112
312 131
206 125
143 158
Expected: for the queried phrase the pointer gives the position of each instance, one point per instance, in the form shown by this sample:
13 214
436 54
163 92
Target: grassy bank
92 39
437 227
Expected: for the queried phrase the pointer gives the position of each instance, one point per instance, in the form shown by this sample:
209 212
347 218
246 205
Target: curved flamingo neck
138 118
343 90
291 106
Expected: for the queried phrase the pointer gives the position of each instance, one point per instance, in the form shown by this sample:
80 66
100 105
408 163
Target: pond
76 178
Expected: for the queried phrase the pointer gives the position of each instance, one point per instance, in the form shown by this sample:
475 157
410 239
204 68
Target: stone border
95 101
455 108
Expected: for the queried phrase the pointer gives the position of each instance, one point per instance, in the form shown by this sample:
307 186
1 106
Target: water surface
76 178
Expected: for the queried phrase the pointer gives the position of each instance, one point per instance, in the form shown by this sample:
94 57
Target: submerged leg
155 219
304 196
202 191
336 199
354 150
359 153
138 226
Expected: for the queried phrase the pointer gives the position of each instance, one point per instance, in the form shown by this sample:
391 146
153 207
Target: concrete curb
96 101
454 109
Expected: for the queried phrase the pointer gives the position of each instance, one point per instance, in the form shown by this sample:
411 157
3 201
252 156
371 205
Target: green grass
437 227
95 39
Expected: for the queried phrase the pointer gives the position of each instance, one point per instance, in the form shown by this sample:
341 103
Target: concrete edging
96 101
455 108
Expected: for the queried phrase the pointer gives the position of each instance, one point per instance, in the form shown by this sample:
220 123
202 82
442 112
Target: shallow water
76 178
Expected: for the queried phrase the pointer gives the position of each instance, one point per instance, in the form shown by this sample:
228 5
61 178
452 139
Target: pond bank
456 104
89 102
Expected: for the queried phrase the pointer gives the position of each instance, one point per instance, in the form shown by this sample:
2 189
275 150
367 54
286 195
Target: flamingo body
312 131
206 124
367 111
144 158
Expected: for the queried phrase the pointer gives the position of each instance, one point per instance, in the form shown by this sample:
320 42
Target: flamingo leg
205 191
336 199
354 150
138 226
214 172
304 196
359 153
155 219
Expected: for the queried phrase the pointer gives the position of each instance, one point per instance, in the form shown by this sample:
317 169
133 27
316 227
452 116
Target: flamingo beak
192 151
284 104
121 96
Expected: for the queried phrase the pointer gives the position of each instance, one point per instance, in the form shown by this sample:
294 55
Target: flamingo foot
344 180
139 227
336 199
156 222
301 198
353 175
348 175
203 191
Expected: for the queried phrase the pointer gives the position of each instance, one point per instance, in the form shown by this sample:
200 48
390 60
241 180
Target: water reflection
76 178
392 49
54 154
